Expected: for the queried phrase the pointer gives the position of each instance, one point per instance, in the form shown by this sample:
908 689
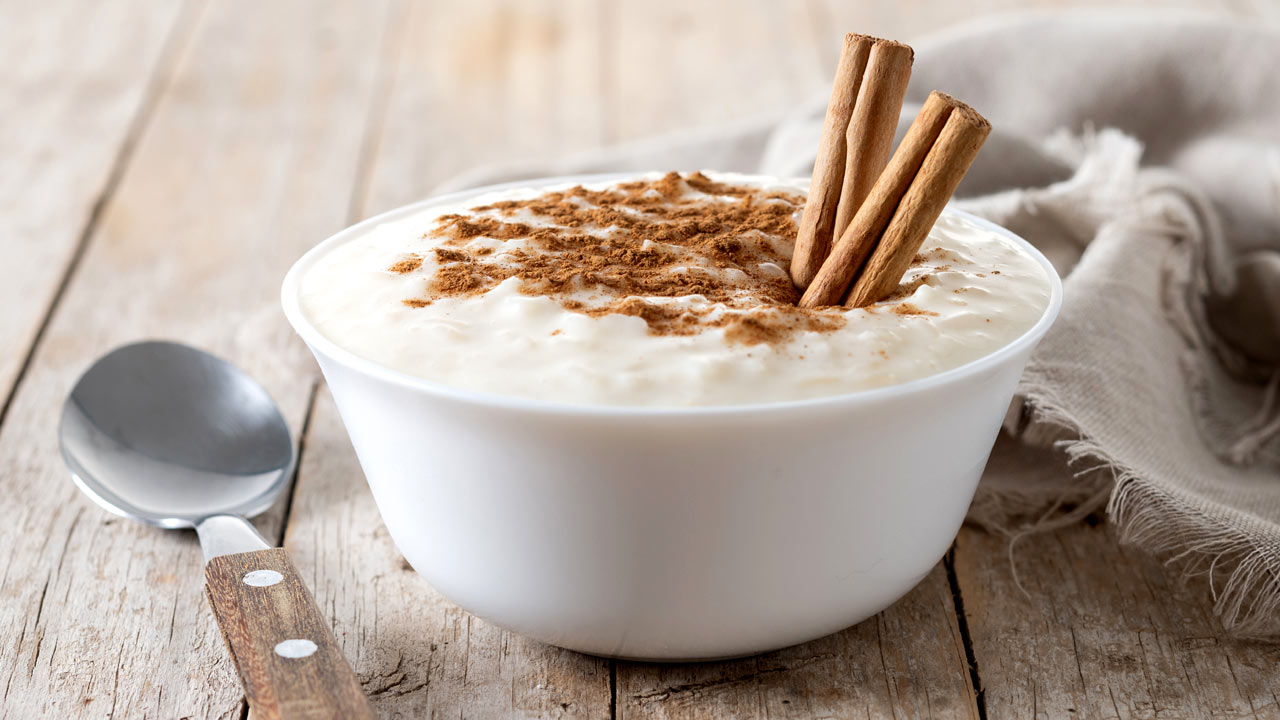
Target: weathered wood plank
486 82
908 22
672 64
1104 632
908 661
417 654
74 84
249 159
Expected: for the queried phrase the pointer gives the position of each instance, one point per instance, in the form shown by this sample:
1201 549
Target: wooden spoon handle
286 655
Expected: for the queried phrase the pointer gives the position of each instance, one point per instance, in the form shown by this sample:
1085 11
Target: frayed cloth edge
1243 576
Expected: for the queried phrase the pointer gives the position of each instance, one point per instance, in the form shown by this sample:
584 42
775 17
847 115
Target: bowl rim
289 297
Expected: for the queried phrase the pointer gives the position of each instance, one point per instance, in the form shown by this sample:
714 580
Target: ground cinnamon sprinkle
908 288
907 308
407 265
599 252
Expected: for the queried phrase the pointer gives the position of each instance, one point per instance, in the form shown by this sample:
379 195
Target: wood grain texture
908 661
248 160
257 618
417 654
909 21
72 97
671 64
1102 632
476 83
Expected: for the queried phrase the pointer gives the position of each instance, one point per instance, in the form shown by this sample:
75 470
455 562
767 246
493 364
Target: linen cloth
1141 153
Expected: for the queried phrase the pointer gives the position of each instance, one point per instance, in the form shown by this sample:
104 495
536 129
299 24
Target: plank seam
297 464
376 121
949 562
613 689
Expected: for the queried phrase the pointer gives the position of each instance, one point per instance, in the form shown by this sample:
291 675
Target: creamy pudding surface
661 290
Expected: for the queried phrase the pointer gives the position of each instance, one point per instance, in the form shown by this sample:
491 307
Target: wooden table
162 163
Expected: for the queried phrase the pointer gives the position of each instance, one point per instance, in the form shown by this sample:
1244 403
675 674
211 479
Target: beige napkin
1142 153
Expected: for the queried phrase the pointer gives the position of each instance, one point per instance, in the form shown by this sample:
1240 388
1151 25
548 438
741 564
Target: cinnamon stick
866 97
945 165
875 120
902 207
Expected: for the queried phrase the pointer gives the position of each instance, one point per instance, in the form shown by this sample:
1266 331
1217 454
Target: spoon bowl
169 435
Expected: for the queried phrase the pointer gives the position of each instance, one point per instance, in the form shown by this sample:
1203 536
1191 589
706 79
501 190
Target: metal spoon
172 436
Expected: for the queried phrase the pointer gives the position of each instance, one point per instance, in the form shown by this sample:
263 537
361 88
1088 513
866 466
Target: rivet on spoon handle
286 655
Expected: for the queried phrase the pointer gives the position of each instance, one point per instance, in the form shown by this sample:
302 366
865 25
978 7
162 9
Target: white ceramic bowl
684 533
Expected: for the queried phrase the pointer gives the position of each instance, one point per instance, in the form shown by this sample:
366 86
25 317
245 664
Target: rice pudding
660 290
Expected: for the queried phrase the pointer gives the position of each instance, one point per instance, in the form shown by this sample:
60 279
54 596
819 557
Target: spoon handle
287 657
